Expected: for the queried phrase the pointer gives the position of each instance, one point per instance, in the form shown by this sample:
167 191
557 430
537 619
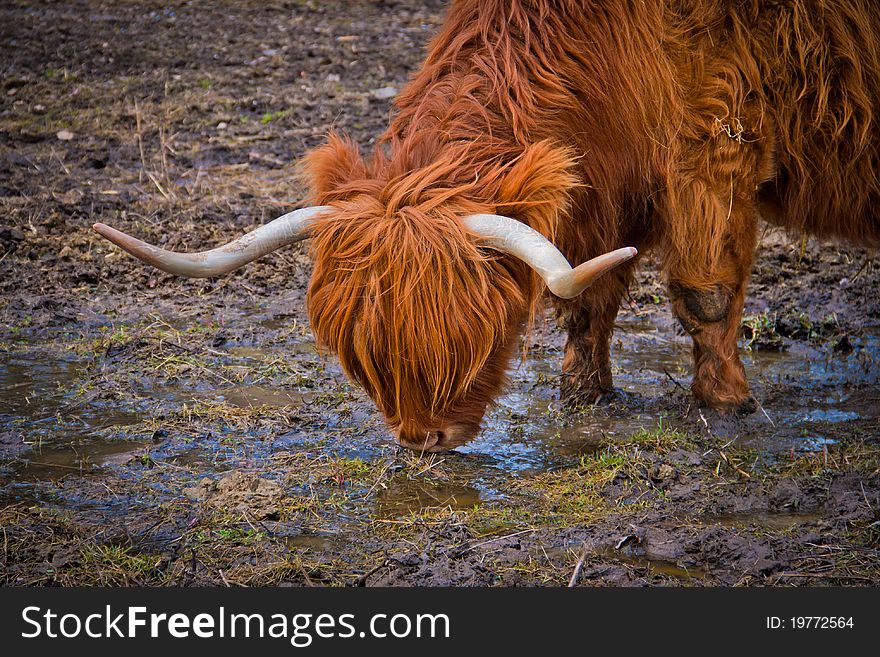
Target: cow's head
418 286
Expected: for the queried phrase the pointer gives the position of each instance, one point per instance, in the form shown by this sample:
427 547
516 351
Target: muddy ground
158 431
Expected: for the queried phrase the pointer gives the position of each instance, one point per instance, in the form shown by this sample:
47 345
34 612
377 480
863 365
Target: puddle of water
56 429
407 497
659 566
523 435
247 396
308 542
248 352
804 442
832 415
35 386
809 365
39 396
57 461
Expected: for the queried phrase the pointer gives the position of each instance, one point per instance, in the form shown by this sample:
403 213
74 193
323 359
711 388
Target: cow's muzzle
440 440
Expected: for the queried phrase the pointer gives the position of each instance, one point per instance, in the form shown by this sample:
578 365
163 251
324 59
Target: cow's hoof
746 407
573 400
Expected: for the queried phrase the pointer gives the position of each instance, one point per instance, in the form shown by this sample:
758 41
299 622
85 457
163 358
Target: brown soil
161 431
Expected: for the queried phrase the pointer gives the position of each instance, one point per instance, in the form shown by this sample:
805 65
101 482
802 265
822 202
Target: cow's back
820 64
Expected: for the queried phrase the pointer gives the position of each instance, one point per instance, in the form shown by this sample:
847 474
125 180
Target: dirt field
159 431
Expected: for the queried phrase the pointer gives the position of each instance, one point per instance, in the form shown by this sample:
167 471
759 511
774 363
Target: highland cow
595 126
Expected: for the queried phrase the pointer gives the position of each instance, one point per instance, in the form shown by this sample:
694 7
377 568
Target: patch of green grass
662 439
268 117
501 518
759 332
866 534
115 335
573 495
536 569
111 565
853 455
229 535
353 468
306 469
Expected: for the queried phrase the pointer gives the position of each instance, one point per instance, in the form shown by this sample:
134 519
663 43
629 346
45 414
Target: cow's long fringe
417 311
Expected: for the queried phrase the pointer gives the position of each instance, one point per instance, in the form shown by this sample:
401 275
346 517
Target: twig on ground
578 567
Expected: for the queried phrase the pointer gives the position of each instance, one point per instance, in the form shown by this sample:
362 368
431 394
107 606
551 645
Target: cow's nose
448 437
431 441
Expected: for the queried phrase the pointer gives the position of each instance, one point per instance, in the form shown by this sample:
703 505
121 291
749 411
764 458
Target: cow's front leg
589 321
712 319
709 303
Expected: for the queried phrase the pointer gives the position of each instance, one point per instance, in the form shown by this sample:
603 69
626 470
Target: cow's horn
284 230
527 244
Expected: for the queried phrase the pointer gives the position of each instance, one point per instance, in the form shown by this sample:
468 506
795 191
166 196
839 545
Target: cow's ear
330 168
538 185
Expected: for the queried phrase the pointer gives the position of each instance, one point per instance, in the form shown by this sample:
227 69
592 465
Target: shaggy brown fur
601 124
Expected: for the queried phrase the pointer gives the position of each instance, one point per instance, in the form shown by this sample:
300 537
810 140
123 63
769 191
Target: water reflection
405 497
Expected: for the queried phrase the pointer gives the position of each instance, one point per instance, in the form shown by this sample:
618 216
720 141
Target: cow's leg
707 297
589 321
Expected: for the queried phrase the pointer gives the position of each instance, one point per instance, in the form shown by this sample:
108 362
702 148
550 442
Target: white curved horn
527 244
284 230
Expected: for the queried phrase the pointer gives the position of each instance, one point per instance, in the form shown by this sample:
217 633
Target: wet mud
157 431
